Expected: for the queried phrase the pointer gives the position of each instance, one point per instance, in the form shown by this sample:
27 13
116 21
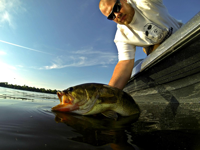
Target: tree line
28 88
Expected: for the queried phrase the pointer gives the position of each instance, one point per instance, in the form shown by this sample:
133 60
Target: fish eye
70 89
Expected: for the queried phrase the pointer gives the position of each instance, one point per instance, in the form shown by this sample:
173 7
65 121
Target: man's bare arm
122 73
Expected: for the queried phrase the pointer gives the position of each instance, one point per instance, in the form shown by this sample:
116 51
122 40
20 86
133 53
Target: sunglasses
116 8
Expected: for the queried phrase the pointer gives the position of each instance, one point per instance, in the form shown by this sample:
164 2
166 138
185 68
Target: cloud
82 58
27 48
89 51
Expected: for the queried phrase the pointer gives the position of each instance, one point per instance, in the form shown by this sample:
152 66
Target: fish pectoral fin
110 114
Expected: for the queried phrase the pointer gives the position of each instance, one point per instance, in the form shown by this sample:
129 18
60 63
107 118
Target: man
144 23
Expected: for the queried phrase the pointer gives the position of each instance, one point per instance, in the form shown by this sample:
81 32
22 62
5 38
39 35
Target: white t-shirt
151 24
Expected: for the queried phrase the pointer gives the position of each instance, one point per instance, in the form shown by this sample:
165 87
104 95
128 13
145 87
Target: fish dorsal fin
110 114
109 87
107 96
105 92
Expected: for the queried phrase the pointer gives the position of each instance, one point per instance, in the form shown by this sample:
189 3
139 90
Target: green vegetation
27 88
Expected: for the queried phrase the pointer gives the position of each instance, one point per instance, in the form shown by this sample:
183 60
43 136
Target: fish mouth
66 103
65 98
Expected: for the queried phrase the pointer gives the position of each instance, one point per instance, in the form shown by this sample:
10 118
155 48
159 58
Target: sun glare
7 74
6 16
2 53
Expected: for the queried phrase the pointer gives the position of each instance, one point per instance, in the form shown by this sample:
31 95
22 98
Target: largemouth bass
94 98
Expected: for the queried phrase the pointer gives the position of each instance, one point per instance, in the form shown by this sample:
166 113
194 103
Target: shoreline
31 90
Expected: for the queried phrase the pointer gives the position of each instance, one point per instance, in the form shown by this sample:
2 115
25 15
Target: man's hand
150 49
122 73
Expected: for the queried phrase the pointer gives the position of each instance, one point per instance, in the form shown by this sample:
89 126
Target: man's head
123 15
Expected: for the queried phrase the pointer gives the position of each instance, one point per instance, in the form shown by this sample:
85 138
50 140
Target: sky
55 44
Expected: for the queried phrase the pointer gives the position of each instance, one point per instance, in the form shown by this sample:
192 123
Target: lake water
27 122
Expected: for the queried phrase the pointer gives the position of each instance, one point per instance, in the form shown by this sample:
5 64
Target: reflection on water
5 96
99 130
7 93
95 122
28 123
